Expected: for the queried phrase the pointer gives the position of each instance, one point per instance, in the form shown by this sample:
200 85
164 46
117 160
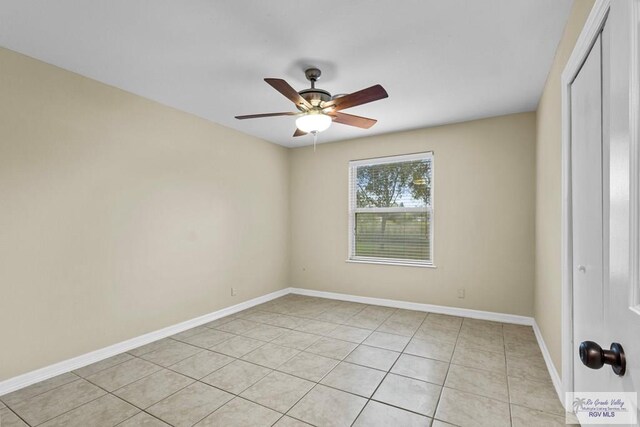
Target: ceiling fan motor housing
315 95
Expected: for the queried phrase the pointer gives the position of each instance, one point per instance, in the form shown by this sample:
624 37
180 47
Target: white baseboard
24 380
555 378
441 309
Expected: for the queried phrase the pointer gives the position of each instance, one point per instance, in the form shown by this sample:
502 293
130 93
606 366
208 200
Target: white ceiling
441 61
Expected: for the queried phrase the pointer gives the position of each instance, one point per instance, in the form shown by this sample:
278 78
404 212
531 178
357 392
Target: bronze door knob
594 357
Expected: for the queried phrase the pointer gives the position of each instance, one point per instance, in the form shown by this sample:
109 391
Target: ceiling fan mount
313 95
318 109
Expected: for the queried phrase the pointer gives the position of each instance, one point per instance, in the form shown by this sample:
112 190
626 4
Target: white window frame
353 210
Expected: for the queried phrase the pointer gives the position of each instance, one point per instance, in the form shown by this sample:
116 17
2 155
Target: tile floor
299 361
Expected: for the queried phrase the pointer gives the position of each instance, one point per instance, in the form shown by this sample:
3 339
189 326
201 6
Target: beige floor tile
201 364
350 333
408 393
278 391
125 373
481 326
511 328
285 321
219 322
444 320
236 376
525 417
172 353
189 333
333 316
370 318
485 342
316 327
258 316
190 405
377 414
373 357
397 327
466 409
152 389
481 359
270 355
535 395
420 368
107 410
265 332
324 406
364 322
52 403
296 339
431 348
409 316
208 338
148 348
238 326
326 333
38 388
143 420
522 349
438 333
241 413
354 379
237 346
377 311
387 341
478 381
333 348
9 419
287 421
519 334
103 364
528 367
309 366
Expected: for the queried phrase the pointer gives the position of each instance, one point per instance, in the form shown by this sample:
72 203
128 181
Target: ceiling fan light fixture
313 122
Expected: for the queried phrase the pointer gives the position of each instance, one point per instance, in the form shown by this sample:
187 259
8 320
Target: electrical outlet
461 293
234 292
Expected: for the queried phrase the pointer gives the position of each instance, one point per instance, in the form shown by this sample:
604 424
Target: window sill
400 263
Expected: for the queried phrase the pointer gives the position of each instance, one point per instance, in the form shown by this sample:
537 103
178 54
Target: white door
605 219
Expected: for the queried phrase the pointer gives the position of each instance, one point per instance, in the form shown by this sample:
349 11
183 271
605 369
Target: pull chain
315 139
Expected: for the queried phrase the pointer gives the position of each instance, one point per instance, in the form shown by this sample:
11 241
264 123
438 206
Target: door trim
588 35
585 41
634 161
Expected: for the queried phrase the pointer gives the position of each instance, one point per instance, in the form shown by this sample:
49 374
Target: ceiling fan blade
286 89
257 116
360 97
298 132
351 120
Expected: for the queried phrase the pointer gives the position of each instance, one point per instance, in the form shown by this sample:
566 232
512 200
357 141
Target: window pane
402 184
393 235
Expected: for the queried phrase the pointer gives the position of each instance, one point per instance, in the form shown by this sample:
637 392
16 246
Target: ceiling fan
318 109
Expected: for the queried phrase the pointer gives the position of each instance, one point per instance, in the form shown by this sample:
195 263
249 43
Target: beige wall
484 217
548 274
121 216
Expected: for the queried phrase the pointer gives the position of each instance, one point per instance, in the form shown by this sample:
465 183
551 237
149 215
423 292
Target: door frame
588 35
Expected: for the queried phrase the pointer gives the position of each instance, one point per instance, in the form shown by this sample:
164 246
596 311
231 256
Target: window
391 210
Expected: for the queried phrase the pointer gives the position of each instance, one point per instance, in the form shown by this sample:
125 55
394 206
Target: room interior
140 219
